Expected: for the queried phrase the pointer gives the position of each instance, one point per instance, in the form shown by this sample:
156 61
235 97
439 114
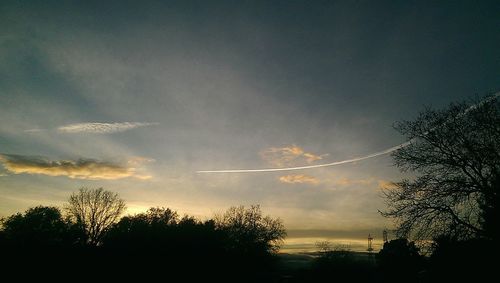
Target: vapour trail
378 153
389 150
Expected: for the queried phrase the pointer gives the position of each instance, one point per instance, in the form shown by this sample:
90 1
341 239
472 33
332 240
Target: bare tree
95 210
251 231
324 246
454 156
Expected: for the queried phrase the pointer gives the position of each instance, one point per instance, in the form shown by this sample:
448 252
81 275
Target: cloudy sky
138 97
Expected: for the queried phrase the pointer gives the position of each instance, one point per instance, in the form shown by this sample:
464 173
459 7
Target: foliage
149 243
41 226
400 260
249 231
455 260
159 229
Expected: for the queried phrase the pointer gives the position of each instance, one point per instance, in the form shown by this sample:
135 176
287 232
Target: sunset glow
200 107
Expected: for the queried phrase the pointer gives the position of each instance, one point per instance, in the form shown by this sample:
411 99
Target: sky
137 96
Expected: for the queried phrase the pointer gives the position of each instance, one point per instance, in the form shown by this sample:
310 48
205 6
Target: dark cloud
76 169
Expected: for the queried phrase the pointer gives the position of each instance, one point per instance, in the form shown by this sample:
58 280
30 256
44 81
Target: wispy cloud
299 179
102 128
378 184
350 182
34 130
288 155
88 169
386 185
96 128
310 158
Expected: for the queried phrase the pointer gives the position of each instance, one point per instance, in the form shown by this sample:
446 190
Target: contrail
378 153
389 150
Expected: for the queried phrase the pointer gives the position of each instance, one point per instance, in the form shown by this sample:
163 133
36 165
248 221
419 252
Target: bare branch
454 154
95 210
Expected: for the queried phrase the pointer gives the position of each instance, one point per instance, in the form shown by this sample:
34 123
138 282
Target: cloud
352 160
378 184
87 169
272 155
102 128
34 130
338 182
310 158
349 182
299 179
284 156
386 185
138 160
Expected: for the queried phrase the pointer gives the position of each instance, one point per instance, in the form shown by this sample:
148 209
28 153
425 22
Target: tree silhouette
400 261
94 211
149 244
455 260
158 241
251 232
159 216
144 231
455 155
41 226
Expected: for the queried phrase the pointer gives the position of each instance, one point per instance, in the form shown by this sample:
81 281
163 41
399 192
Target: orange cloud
87 169
378 184
299 179
386 185
288 155
349 182
310 158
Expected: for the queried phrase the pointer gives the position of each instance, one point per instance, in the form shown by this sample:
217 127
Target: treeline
401 260
88 237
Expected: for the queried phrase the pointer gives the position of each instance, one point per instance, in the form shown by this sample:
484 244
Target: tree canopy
95 210
454 156
41 226
250 231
